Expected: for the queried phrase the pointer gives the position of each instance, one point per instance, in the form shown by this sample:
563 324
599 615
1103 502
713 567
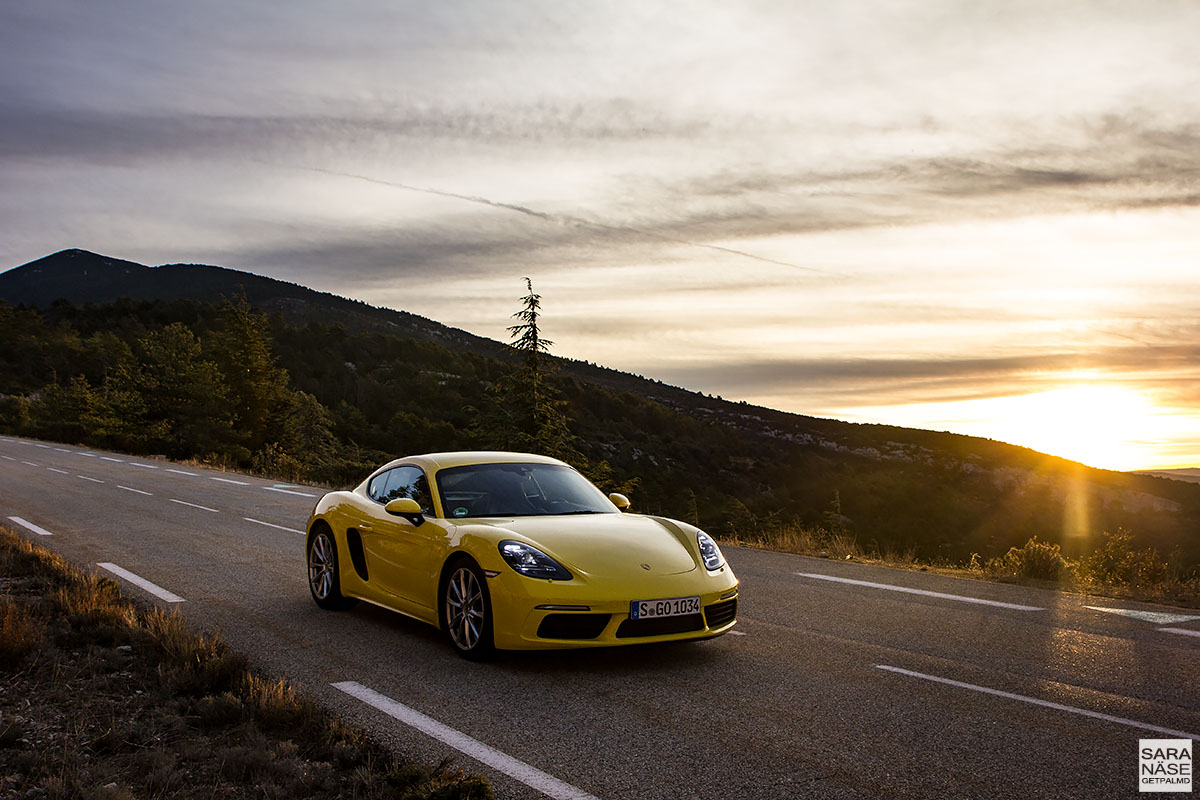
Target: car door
400 554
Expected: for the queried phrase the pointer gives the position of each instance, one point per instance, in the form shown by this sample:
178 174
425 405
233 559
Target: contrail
557 218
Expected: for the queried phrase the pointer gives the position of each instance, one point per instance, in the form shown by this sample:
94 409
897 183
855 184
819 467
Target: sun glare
1104 426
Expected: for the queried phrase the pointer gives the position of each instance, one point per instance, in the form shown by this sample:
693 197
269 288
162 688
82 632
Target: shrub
1034 559
1116 563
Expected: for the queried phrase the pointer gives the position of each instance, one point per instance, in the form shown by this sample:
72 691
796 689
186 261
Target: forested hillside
333 389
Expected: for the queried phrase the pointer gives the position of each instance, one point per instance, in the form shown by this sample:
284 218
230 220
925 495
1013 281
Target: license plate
670 607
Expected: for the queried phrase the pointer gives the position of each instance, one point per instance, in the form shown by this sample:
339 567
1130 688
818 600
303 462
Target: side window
402 482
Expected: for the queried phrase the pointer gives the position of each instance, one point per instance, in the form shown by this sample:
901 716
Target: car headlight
709 551
532 562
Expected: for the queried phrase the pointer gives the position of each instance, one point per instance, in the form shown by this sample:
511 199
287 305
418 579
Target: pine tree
526 412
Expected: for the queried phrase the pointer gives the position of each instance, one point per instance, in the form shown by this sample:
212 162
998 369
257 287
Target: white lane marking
30 463
288 491
110 458
59 471
1182 631
530 776
40 531
182 472
922 592
62 449
1044 703
152 588
139 491
89 455
1157 617
86 478
143 466
44 446
737 633
8 458
227 480
193 505
273 525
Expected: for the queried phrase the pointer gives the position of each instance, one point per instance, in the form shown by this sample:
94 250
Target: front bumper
541 615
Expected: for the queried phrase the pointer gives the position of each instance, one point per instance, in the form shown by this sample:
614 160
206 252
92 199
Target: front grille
572 626
719 614
659 626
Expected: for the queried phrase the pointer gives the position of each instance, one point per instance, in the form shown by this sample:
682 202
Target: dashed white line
40 531
143 466
86 478
136 580
182 472
138 491
44 446
530 776
288 491
1044 703
62 449
8 458
922 592
229 480
59 471
273 525
88 455
193 505
110 458
1182 631
30 463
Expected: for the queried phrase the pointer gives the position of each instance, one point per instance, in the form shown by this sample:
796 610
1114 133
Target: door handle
365 528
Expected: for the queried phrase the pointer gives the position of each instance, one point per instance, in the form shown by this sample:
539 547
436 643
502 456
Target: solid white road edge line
922 592
36 529
193 505
288 491
152 588
1183 631
502 762
227 480
273 525
139 491
1044 703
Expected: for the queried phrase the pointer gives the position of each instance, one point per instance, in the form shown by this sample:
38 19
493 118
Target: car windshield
518 490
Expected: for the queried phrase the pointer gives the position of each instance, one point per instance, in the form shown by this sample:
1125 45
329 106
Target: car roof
436 461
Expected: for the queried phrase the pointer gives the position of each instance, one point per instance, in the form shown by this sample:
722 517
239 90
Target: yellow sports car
515 551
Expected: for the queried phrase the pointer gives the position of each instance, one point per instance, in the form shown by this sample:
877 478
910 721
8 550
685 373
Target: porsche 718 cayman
515 551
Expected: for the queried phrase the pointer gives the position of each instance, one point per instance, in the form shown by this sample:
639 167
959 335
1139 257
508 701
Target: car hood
607 545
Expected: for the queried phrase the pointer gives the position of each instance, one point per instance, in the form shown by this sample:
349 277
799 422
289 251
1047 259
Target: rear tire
324 578
466 611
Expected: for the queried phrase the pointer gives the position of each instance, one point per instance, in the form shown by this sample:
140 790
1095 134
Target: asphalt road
844 688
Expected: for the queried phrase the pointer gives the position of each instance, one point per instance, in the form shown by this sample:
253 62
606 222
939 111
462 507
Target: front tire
467 611
324 579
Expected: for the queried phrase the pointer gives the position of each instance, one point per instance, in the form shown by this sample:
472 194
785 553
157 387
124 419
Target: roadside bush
1116 563
1041 560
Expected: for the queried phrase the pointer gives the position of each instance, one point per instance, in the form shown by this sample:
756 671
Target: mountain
731 465
1189 475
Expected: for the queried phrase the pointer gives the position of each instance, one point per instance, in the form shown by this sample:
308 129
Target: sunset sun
1102 426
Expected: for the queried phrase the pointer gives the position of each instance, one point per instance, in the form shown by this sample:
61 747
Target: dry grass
1114 569
102 699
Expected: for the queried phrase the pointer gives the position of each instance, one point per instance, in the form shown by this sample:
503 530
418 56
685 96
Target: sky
980 217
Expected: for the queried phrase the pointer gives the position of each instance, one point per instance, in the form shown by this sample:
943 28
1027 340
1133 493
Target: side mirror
405 507
620 501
